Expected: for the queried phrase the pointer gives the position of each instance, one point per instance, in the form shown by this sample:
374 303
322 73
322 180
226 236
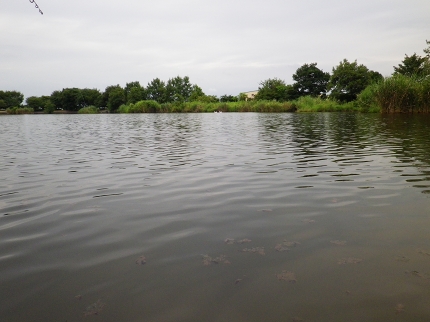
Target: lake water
239 217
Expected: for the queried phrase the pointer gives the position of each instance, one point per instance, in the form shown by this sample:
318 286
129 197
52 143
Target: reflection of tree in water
345 139
175 139
410 135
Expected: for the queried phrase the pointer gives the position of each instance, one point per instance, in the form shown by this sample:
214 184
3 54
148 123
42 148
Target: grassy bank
316 104
398 94
19 110
205 107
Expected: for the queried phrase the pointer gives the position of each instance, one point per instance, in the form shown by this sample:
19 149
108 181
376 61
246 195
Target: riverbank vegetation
350 87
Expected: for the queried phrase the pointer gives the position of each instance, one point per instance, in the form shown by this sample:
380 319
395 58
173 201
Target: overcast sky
224 46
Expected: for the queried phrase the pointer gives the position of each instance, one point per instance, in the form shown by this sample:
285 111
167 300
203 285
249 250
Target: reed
19 110
317 104
398 94
208 107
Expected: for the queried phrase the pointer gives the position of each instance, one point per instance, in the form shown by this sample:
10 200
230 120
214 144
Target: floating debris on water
399 308
338 242
287 276
231 241
259 250
349 260
308 221
422 252
237 281
207 260
266 210
285 245
403 259
281 248
291 243
418 274
141 260
94 308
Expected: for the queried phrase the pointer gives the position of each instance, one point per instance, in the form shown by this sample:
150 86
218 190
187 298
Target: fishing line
36 6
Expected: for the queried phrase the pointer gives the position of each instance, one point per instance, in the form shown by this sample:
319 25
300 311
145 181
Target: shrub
19 110
144 107
89 110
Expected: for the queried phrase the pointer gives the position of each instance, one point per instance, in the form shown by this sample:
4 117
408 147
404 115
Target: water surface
339 203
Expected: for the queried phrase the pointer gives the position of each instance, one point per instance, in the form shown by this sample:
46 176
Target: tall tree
310 80
56 99
156 90
116 99
10 99
72 99
134 92
178 89
105 96
90 97
412 65
196 93
349 79
273 89
39 104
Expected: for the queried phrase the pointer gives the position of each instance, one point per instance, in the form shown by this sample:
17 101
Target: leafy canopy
349 79
310 80
273 89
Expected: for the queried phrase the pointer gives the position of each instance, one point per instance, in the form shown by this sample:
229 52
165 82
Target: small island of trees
349 87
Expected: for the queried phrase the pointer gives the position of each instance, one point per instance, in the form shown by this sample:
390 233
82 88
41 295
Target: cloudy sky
224 46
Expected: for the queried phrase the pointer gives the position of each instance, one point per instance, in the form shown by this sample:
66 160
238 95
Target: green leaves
310 80
349 79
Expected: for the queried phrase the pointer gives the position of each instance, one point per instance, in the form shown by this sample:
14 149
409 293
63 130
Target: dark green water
82 197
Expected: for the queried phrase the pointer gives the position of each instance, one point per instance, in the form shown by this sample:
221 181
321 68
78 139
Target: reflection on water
229 217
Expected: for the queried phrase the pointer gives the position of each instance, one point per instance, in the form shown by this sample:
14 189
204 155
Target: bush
144 107
89 110
317 104
19 110
366 100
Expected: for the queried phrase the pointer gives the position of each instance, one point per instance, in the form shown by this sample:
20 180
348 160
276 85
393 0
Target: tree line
347 81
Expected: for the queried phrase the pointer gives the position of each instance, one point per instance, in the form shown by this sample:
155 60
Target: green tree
134 92
156 91
412 65
116 99
90 97
349 79
273 89
228 98
178 89
72 99
310 80
56 99
9 99
36 103
103 100
196 93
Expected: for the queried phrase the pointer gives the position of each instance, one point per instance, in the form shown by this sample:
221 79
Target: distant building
250 95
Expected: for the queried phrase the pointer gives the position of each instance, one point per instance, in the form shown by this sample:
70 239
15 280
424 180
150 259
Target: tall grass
19 110
317 104
207 107
398 94
88 110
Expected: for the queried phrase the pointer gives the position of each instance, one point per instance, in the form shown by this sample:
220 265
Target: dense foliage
310 81
350 79
350 87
